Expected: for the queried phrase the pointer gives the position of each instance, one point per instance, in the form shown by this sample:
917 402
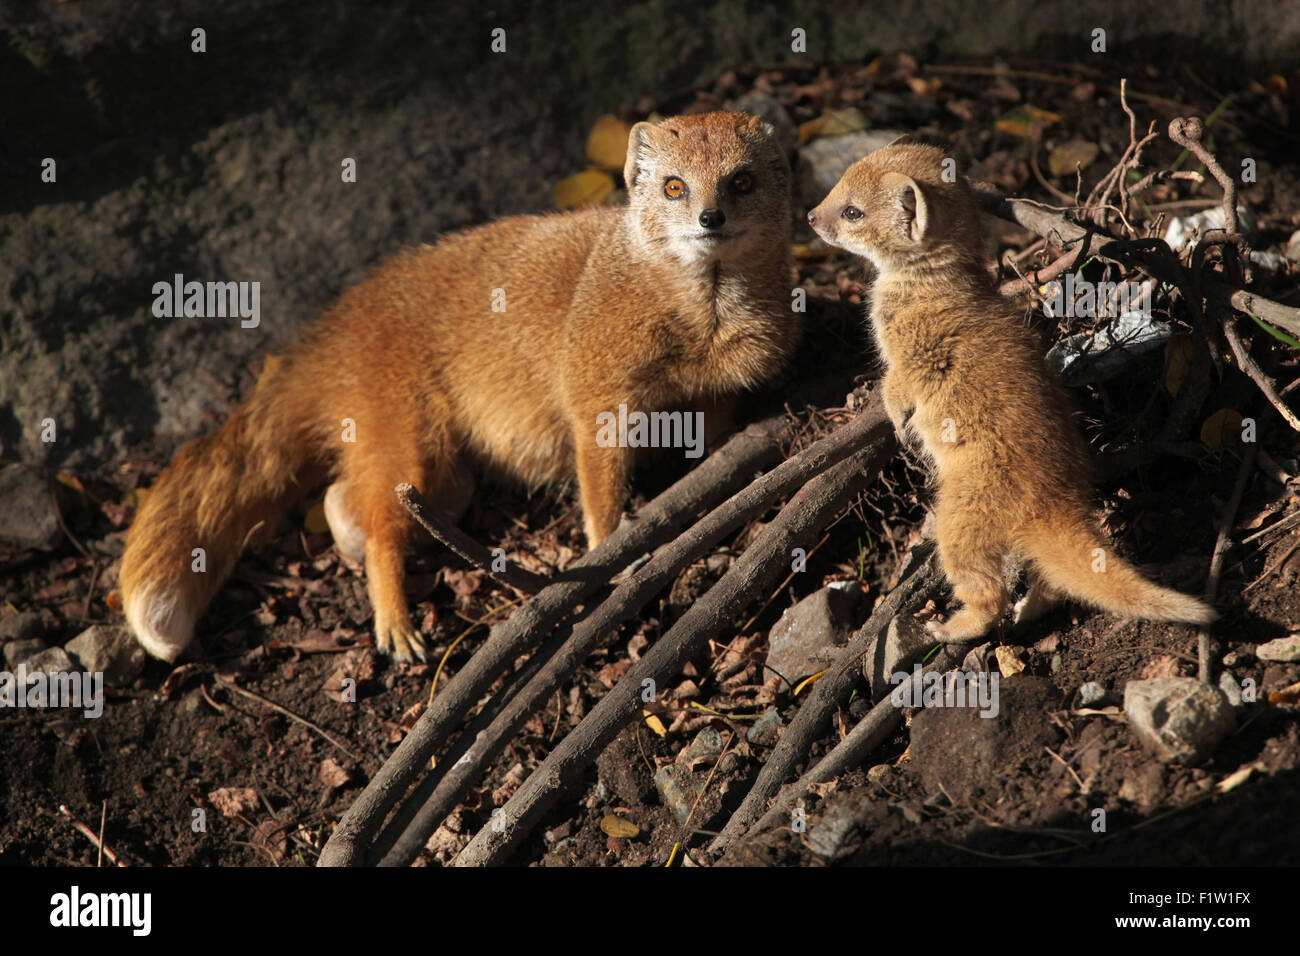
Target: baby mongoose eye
674 188
852 213
742 182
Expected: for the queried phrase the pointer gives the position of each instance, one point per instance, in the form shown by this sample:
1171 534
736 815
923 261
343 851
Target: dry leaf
1021 120
1075 152
315 522
591 187
334 774
833 123
232 801
654 723
1287 695
1178 359
1010 660
616 826
1221 428
607 144
113 601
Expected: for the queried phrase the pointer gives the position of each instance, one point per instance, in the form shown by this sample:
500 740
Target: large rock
1178 719
803 641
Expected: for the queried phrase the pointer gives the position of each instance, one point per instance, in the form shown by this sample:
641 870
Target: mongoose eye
674 188
742 182
852 213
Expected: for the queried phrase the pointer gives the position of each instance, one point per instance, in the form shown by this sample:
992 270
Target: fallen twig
521 579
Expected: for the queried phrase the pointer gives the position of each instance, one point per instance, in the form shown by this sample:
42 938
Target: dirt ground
947 788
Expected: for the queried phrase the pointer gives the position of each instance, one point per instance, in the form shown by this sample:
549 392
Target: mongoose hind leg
1038 600
976 580
371 480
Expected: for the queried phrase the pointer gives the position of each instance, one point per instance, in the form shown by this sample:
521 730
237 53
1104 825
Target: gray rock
110 650
768 107
52 660
1284 649
894 651
24 649
1091 693
18 627
672 794
828 837
766 729
1231 689
804 640
1178 719
822 162
28 517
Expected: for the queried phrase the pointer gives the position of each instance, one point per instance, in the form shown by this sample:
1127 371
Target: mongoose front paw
398 639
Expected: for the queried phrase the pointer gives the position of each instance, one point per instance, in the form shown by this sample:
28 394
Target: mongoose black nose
712 218
812 218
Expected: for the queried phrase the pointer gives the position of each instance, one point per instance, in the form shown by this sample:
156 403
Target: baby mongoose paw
1032 606
399 640
940 633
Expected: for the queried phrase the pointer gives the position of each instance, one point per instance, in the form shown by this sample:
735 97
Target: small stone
1091 693
804 640
1178 719
1057 663
827 838
1284 649
717 564
114 651
1231 689
29 517
1293 247
766 729
18 627
707 743
52 660
18 651
671 793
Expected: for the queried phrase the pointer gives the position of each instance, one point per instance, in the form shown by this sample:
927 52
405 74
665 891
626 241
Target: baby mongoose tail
1072 559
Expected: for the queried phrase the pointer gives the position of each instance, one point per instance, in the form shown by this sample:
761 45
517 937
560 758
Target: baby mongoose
963 375
500 345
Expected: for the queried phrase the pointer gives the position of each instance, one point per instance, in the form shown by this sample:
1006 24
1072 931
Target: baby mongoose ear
911 200
643 141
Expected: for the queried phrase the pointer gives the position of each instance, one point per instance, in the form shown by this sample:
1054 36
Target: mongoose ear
907 139
762 127
642 143
911 200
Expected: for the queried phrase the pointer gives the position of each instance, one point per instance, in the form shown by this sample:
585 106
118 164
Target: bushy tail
212 497
1071 557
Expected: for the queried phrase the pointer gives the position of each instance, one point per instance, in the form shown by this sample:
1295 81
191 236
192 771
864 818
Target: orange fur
645 305
963 376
